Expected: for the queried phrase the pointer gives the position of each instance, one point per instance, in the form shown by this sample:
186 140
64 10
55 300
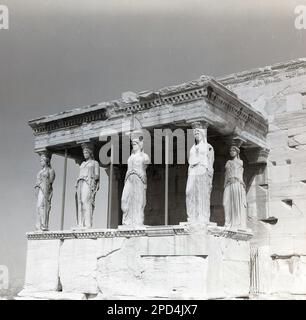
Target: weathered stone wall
279 92
164 262
276 195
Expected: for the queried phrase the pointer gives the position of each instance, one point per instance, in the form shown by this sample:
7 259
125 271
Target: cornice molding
146 231
204 88
267 74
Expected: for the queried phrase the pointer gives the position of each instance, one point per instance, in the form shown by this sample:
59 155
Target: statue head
137 141
88 151
137 144
45 159
199 134
234 152
200 131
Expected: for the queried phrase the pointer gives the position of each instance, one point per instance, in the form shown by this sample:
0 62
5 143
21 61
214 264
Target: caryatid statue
44 191
234 196
200 175
87 187
133 199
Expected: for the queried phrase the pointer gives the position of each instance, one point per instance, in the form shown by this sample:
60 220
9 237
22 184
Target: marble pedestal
178 262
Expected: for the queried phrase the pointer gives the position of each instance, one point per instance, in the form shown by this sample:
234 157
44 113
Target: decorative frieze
240 110
40 127
108 233
204 88
148 231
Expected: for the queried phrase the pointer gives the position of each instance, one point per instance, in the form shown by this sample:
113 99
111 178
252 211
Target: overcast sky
61 54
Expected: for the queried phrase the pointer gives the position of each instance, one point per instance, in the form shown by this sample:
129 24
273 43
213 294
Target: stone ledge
49 295
148 231
145 231
297 66
237 234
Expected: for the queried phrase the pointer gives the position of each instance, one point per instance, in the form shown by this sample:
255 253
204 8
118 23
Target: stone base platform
164 262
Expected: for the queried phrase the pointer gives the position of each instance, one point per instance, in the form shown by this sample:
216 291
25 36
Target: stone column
234 192
87 185
257 155
200 176
64 190
115 198
257 179
255 159
44 191
234 140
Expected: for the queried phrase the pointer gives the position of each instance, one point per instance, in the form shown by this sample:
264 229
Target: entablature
204 97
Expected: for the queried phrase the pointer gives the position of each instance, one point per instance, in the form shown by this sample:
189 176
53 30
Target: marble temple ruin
225 221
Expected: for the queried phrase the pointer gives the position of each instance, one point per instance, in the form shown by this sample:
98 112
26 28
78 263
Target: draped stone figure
44 192
234 196
133 199
200 175
87 187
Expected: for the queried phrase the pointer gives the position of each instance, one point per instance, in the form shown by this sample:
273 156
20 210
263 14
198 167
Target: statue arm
146 160
37 185
97 175
226 174
242 171
52 176
211 160
97 171
36 188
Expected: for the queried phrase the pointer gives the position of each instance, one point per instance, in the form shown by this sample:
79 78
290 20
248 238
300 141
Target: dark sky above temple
61 54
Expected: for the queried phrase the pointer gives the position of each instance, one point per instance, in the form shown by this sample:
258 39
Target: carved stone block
77 266
42 265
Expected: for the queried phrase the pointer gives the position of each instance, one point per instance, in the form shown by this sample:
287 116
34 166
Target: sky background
63 54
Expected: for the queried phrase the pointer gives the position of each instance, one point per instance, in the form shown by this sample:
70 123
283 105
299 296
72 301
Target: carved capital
257 155
136 135
234 140
44 152
80 142
88 146
198 123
